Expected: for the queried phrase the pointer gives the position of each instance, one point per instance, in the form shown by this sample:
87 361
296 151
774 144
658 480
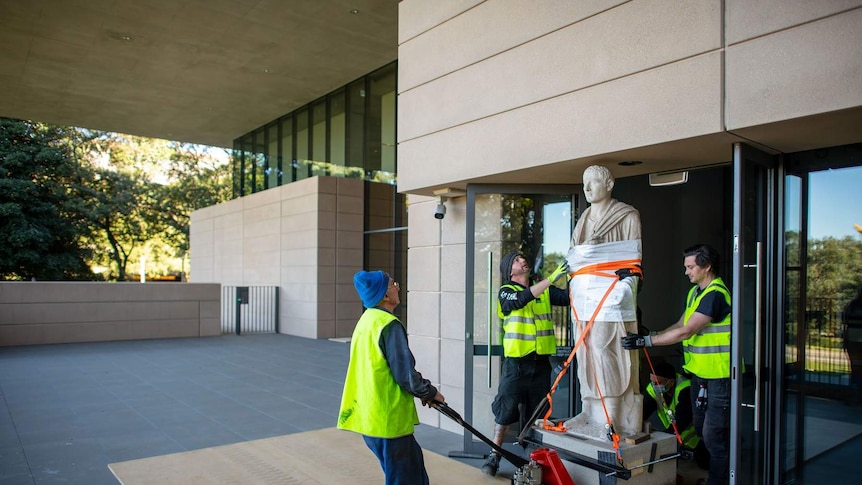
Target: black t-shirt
712 305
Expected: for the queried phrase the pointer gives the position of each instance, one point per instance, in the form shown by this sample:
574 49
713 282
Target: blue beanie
371 286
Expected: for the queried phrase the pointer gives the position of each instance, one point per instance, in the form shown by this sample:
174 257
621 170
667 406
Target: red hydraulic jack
543 468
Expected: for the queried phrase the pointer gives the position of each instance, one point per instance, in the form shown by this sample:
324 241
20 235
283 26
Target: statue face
596 187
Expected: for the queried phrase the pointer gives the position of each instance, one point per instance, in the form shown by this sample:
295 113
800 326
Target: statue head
598 183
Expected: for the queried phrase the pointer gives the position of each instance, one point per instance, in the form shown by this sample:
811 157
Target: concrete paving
67 411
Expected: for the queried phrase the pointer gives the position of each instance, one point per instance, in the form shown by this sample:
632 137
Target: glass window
351 132
272 171
337 134
318 132
247 164
380 132
302 162
236 169
287 158
259 161
356 125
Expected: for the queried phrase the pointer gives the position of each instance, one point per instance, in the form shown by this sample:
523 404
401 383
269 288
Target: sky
557 235
836 203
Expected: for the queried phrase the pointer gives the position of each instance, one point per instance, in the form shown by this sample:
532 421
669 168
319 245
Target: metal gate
249 309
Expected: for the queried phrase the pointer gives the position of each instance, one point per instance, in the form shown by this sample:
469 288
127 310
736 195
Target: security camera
440 211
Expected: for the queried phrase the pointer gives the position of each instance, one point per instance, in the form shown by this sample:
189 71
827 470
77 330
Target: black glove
626 272
633 341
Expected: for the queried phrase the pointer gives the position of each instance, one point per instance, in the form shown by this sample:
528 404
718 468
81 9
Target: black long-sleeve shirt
513 300
402 364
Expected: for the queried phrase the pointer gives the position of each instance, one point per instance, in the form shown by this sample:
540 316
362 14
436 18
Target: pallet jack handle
454 416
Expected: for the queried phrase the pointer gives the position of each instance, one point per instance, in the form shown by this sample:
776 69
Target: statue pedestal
657 446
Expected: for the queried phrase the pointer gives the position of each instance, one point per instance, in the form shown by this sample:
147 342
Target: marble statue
609 231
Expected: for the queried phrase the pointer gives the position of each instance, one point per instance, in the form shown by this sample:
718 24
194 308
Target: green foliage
74 199
834 276
834 268
196 182
120 208
40 216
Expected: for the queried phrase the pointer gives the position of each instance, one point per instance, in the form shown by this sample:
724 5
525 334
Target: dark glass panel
272 171
287 158
302 163
356 124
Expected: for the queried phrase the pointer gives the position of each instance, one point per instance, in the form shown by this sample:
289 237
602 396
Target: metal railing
827 365
249 309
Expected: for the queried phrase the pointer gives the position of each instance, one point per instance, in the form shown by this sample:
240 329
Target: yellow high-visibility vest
529 329
707 353
373 404
688 435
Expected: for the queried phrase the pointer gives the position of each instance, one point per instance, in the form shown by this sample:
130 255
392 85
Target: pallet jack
543 468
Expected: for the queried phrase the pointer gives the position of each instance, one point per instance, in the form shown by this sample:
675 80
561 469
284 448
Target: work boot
491 464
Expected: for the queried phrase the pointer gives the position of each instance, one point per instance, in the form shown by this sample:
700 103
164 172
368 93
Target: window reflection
823 274
347 133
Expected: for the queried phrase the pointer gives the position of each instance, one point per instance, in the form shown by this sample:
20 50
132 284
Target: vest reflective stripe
707 353
717 328
373 404
528 329
688 435
709 350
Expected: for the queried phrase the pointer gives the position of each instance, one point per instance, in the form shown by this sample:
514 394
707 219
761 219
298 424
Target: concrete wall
305 238
487 88
33 313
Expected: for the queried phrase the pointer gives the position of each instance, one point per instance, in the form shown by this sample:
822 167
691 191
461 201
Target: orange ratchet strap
599 269
663 403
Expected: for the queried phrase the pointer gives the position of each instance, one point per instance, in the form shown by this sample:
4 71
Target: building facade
759 103
501 104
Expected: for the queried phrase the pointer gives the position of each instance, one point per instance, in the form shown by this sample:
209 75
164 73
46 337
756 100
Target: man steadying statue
608 234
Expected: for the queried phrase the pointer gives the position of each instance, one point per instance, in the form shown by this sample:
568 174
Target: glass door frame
758 255
792 467
470 349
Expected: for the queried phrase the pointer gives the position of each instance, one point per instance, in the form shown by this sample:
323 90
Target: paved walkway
67 411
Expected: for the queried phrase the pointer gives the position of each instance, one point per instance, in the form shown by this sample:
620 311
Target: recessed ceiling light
630 163
354 11
118 35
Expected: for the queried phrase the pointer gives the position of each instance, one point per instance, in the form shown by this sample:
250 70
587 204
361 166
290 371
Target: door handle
490 312
758 306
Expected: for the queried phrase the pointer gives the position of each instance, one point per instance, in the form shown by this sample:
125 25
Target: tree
120 209
197 180
41 218
72 199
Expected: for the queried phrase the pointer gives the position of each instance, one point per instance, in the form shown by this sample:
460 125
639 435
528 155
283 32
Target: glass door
536 220
755 304
822 383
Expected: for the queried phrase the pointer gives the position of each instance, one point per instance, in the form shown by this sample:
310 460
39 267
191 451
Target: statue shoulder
619 206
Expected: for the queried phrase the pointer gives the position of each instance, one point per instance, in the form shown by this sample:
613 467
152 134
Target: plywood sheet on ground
326 456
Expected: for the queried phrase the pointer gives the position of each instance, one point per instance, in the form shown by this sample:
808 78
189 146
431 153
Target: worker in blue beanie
378 399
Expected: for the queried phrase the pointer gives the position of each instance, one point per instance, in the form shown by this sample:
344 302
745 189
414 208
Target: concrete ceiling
199 71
